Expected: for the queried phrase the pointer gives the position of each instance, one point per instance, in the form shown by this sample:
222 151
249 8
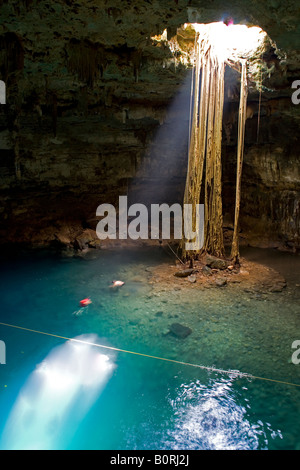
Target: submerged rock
159 313
179 330
165 331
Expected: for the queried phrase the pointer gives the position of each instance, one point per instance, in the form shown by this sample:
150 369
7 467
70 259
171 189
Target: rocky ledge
209 272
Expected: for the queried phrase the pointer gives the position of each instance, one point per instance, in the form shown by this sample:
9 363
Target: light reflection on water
214 417
57 396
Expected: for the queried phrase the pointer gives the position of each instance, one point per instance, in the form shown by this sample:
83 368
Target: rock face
97 108
87 238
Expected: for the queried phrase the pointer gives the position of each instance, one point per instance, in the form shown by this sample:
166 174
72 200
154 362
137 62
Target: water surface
56 397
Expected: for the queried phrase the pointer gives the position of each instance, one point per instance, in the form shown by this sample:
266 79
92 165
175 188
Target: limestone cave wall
97 108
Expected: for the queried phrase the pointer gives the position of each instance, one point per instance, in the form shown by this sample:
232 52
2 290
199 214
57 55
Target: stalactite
86 59
54 114
259 107
17 161
136 58
11 55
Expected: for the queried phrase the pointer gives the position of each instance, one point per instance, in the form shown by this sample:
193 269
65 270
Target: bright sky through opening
233 41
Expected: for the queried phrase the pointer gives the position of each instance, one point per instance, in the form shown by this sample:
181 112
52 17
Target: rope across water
207 368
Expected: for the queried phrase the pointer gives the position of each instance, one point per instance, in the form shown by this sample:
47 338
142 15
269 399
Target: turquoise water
57 395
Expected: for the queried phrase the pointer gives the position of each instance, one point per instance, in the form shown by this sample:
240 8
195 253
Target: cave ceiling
115 37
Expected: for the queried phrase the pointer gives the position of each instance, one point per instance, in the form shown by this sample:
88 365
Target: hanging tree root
205 151
240 153
204 163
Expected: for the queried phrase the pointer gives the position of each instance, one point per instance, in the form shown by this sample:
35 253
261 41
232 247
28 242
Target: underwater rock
179 330
184 273
135 321
215 263
165 331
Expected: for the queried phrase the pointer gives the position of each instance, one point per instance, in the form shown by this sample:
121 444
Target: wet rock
221 282
216 263
83 240
244 272
95 244
192 278
206 270
249 291
277 287
149 269
184 273
179 330
62 238
67 252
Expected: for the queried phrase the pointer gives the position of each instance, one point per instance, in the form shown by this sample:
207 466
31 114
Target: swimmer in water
85 302
117 284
